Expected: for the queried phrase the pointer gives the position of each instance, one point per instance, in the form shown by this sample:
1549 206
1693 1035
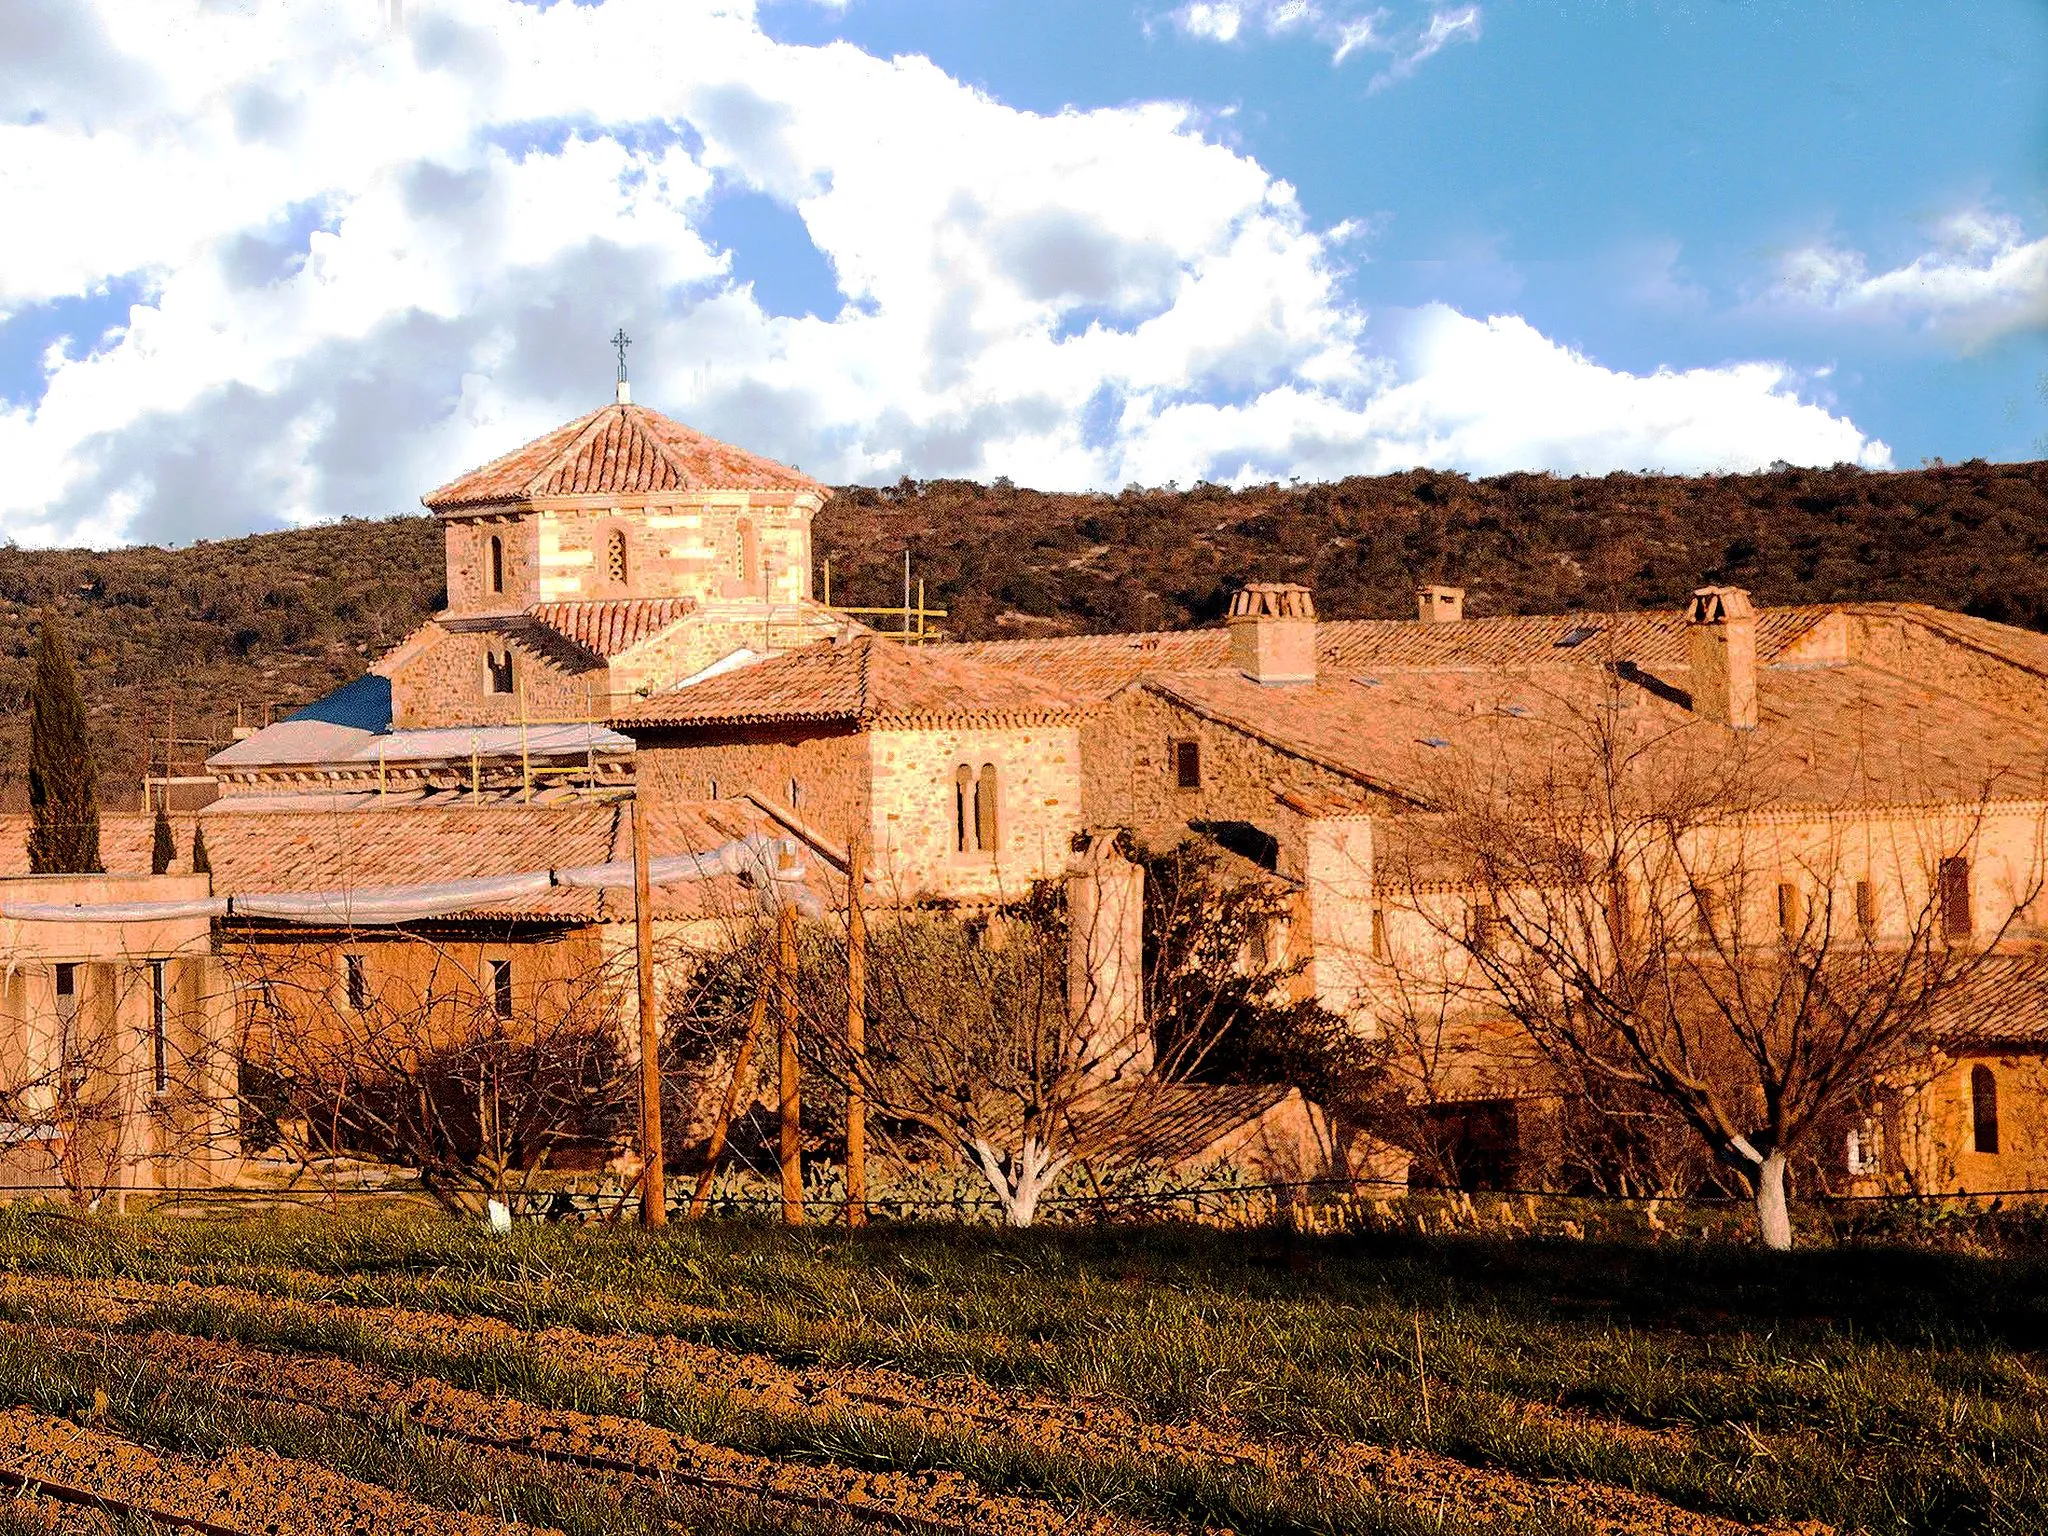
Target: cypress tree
163 850
63 784
201 864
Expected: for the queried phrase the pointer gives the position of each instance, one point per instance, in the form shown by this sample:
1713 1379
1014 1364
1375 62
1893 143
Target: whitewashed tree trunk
1773 1209
1021 1178
1773 1212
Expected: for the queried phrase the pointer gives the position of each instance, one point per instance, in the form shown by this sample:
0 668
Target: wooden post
653 1187
745 1059
856 1044
792 1088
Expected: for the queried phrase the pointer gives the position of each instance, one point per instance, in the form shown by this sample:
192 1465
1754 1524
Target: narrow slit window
159 1029
1187 764
1866 907
1379 933
1954 881
67 993
356 982
1483 927
501 988
497 564
1706 918
1984 1108
615 556
963 809
985 809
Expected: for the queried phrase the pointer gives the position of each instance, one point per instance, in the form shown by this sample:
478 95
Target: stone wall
718 545
1130 778
447 682
915 828
826 765
1937 1127
468 545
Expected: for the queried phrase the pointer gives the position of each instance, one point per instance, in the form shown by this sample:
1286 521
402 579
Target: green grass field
1872 1387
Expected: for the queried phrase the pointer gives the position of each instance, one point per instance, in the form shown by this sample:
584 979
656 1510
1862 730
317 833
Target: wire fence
1245 1202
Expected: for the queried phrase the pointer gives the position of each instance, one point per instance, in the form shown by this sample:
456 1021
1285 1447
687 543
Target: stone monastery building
631 602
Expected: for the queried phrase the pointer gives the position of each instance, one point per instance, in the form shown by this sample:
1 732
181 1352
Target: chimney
1721 626
1440 605
1273 633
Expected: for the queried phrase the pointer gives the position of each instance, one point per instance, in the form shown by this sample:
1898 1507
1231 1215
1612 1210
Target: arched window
615 556
985 809
499 665
963 809
497 564
1984 1108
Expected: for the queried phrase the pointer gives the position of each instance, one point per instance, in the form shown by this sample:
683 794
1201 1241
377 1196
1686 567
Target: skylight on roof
1433 741
1578 634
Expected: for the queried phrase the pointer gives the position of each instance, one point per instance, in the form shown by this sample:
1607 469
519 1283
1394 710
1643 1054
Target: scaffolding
911 628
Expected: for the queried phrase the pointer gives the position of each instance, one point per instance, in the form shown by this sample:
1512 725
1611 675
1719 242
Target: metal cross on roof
621 341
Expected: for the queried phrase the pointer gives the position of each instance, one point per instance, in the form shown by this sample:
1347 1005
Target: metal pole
856 1044
906 589
792 1087
653 1191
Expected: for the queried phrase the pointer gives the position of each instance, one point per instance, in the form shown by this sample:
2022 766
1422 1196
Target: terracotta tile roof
607 628
1096 666
865 680
1842 735
126 841
618 450
2003 1002
315 850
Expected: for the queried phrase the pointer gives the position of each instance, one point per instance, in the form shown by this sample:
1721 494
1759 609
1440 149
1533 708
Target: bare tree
1665 909
1037 1034
426 1055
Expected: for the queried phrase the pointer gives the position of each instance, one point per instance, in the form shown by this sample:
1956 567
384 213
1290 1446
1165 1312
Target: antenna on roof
621 341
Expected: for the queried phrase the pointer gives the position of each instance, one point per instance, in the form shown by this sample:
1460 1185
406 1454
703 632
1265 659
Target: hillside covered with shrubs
275 619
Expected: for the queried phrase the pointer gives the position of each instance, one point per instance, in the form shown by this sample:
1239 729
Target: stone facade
117 1051
717 546
916 825
815 777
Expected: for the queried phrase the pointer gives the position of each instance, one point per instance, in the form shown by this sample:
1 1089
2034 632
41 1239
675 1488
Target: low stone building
117 1040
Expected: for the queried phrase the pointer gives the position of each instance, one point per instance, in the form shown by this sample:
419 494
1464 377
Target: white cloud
1345 28
1216 21
1982 280
372 259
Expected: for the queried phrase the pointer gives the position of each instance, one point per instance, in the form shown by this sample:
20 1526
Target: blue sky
1627 176
300 261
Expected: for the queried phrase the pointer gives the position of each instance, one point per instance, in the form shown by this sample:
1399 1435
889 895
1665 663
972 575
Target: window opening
1485 924
1984 1108
1578 634
615 556
1788 910
358 983
1954 882
67 992
963 809
1866 907
499 664
985 809
497 564
1187 764
1379 934
501 988
159 1042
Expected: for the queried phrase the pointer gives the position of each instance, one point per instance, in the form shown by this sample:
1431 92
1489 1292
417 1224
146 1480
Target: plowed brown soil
630 1446
828 1394
241 1490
